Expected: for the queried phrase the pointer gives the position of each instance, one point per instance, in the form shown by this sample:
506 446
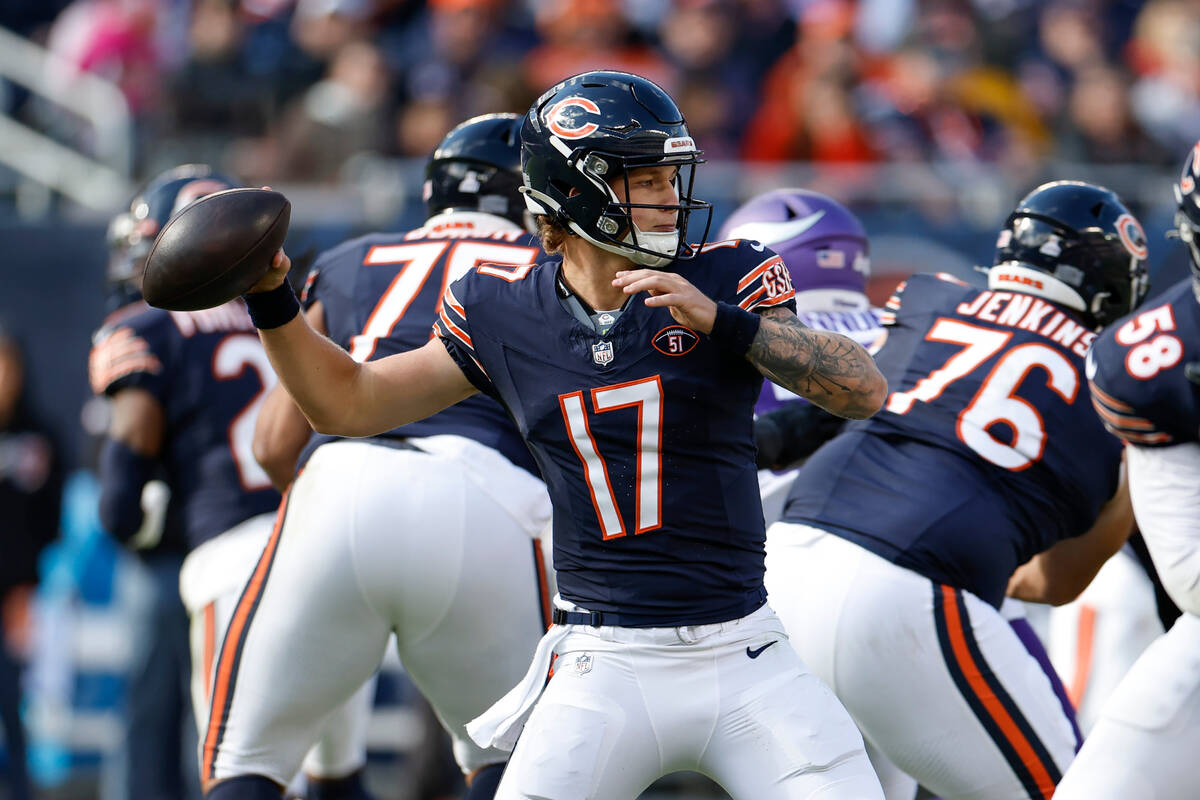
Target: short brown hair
552 233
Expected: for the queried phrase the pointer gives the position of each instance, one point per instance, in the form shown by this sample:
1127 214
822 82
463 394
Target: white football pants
210 583
437 546
936 678
730 700
1147 742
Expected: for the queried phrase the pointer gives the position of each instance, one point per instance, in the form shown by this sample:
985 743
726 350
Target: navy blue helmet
477 167
593 128
1187 217
1076 244
131 234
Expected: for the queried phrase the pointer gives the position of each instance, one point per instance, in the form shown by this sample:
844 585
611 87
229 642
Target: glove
792 433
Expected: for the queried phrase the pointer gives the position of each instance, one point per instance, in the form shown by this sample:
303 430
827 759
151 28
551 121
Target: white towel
501 724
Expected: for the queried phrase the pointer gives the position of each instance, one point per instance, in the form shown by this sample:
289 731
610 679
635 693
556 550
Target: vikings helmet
1076 244
477 167
592 129
822 243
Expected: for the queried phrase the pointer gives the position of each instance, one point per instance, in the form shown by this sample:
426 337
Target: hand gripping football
215 249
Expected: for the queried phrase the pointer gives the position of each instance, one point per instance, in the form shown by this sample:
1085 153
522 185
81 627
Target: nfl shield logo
583 663
602 353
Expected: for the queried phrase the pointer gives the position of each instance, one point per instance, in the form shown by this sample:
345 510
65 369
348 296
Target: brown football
215 249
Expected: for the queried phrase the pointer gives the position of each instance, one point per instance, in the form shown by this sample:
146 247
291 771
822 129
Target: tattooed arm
829 369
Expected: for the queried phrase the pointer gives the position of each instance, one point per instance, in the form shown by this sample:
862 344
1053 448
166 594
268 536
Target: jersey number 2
996 401
646 396
230 360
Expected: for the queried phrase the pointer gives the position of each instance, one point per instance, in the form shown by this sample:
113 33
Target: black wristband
734 328
274 308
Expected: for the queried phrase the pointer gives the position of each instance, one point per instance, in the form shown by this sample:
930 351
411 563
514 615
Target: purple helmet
821 241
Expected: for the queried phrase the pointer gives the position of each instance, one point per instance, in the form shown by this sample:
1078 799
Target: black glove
792 433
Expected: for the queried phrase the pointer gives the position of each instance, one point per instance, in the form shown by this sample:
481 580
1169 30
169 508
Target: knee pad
485 782
245 787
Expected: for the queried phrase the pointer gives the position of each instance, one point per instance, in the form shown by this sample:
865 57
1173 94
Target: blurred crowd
301 89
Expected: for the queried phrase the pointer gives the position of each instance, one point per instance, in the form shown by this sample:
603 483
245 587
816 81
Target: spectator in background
582 35
808 111
1099 126
343 114
1165 55
30 496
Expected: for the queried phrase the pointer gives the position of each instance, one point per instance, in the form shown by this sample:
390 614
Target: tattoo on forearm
832 371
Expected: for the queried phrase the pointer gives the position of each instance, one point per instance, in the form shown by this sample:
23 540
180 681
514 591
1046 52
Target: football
215 249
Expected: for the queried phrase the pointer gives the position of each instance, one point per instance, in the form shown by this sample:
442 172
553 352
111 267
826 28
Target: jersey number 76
996 401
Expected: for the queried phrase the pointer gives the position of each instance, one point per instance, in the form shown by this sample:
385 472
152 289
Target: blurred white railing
100 180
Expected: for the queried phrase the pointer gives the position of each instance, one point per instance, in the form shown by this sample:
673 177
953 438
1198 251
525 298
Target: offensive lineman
186 388
1145 374
900 535
634 390
428 531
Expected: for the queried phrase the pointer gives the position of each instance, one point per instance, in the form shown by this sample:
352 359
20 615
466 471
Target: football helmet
131 239
822 243
1187 216
1076 244
477 167
590 130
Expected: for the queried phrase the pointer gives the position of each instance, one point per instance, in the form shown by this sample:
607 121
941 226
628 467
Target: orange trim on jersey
756 273
746 304
1121 420
231 646
457 332
208 646
1083 655
1109 400
777 301
1142 438
452 301
987 698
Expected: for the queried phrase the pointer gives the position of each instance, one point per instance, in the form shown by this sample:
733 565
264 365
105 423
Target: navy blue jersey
208 371
987 451
644 436
380 294
1137 371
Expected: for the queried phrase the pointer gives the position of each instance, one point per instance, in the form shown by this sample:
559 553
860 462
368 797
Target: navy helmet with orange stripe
589 131
1077 244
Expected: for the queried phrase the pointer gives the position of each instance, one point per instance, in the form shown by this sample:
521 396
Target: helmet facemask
613 227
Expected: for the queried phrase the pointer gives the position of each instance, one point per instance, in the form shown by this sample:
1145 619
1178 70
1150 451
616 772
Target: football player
825 249
428 531
185 389
900 535
1145 374
634 388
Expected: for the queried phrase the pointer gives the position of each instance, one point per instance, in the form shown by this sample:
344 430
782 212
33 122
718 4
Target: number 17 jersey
643 435
987 451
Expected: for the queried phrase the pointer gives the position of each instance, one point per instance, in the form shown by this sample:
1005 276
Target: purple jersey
643 435
380 294
208 371
1137 369
987 451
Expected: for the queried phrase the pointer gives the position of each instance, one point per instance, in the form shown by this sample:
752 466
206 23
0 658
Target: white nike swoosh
770 233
